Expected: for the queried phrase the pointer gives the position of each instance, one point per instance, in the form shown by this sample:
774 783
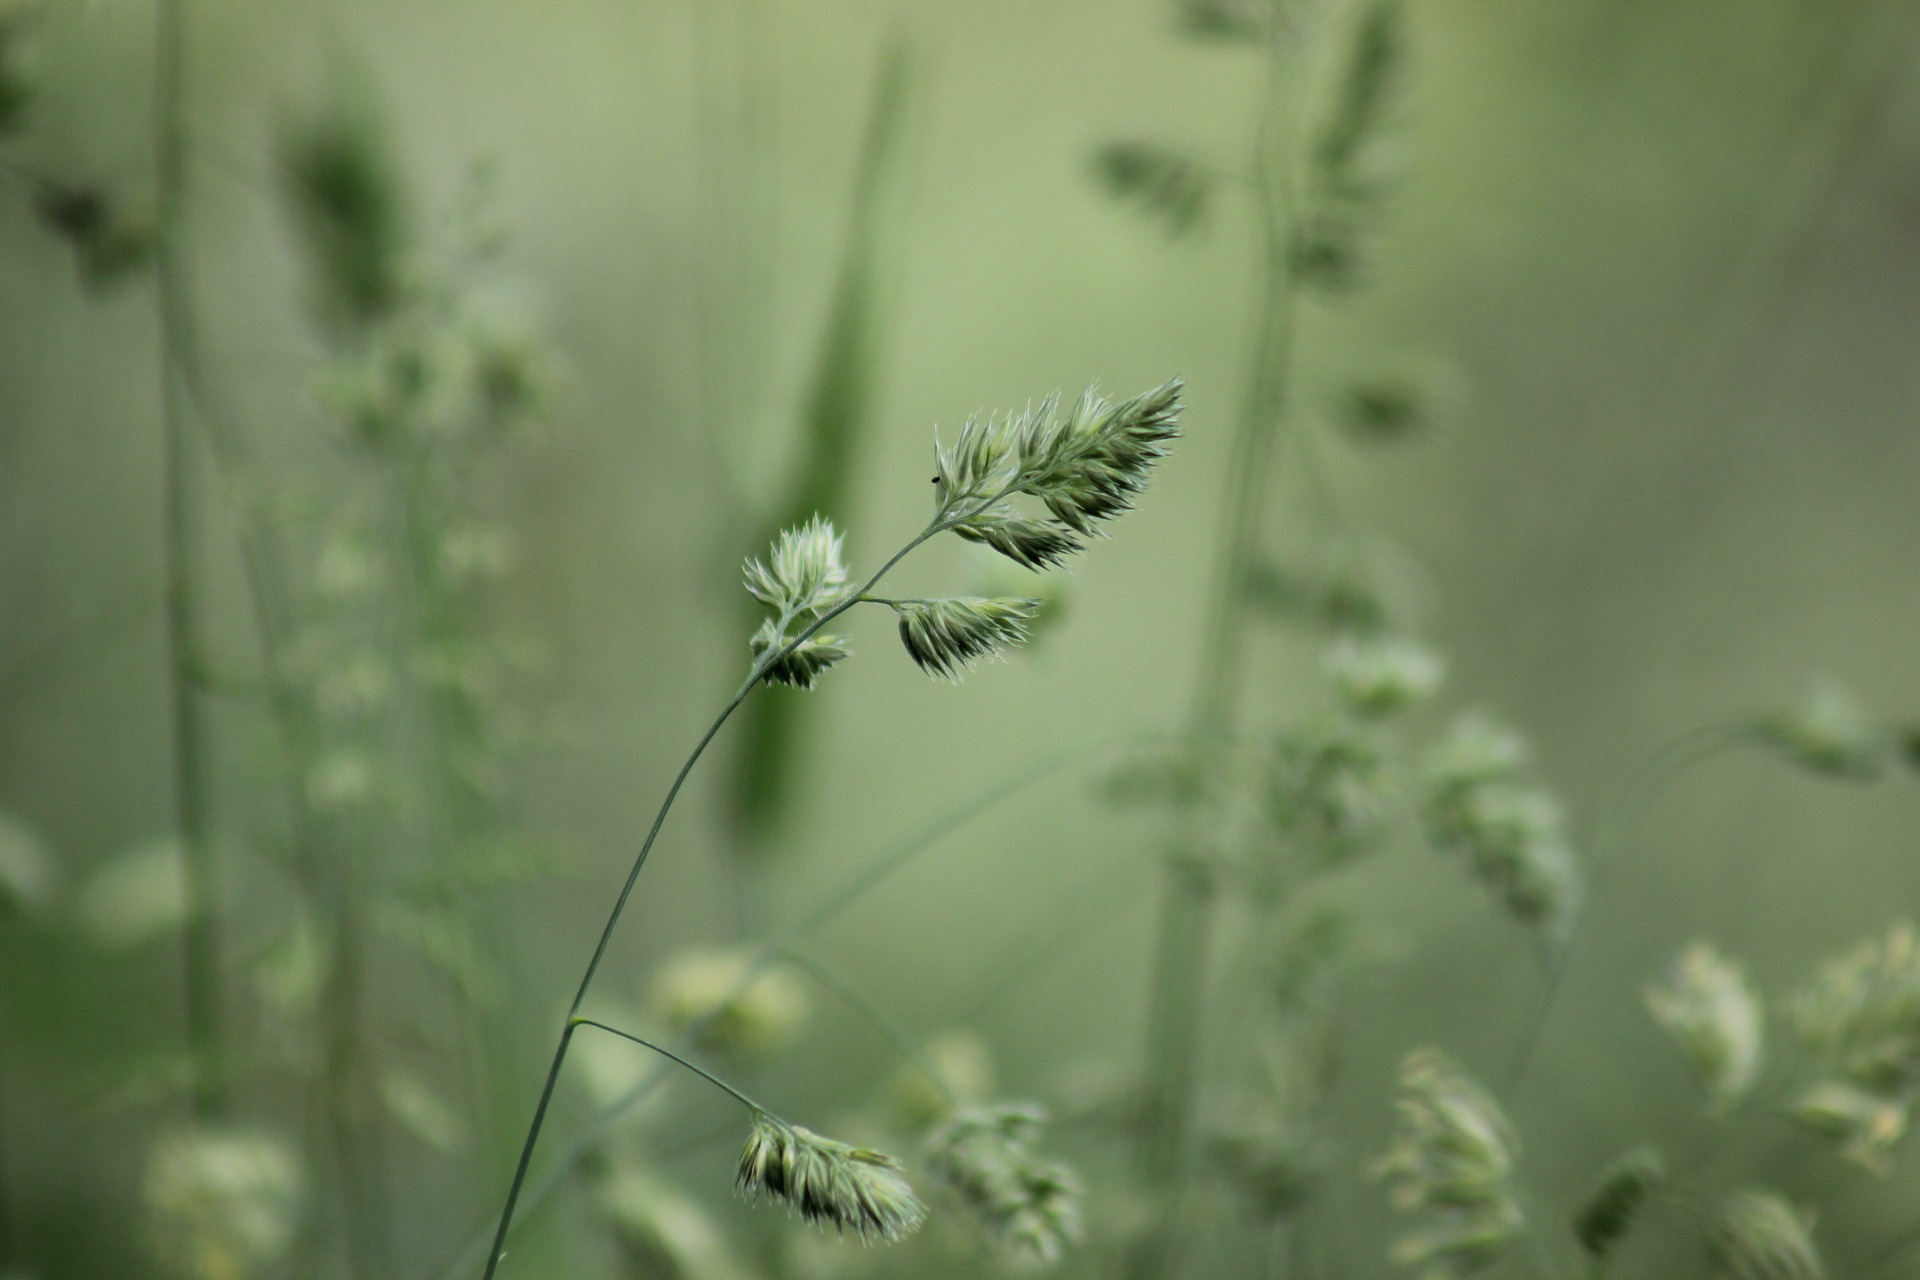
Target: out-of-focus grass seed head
708 994
1828 732
1453 1157
1382 676
1757 1235
1859 1018
1612 1209
1705 1003
222 1204
1028 1207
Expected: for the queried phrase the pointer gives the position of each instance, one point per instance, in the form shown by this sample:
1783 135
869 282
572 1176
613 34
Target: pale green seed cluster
806 578
827 1183
1452 1158
1759 1236
1332 790
1512 837
948 637
714 996
1860 1017
1829 732
1028 1206
1085 467
222 1204
1382 676
1706 1004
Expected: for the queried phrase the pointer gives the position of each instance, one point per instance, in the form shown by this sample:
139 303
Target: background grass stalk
347 1090
834 422
206 1033
1188 907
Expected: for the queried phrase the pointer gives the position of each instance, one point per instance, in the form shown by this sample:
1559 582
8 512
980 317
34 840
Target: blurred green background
1668 252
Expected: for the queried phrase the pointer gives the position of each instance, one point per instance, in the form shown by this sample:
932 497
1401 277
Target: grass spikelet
1028 1206
1830 734
1033 544
1862 1013
1086 466
1330 790
1453 1154
1383 676
1705 1003
1860 1017
804 665
1513 839
1866 1124
827 1183
804 577
1757 1235
947 637
1473 752
1610 1212
807 573
706 993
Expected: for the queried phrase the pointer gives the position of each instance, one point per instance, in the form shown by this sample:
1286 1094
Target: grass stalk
754 677
206 1032
834 422
1188 908
348 1098
346 1092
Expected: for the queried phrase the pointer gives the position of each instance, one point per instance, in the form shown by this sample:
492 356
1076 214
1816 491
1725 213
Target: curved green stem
671 1056
876 1017
1667 768
754 677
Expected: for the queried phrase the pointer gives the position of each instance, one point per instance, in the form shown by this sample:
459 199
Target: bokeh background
1666 254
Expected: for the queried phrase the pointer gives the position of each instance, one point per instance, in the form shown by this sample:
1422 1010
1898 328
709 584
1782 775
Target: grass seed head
1830 733
1028 1206
1383 676
1868 1125
1861 1013
948 637
827 1183
1757 1235
223 1204
707 993
1610 1211
1453 1154
1085 466
1707 1006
